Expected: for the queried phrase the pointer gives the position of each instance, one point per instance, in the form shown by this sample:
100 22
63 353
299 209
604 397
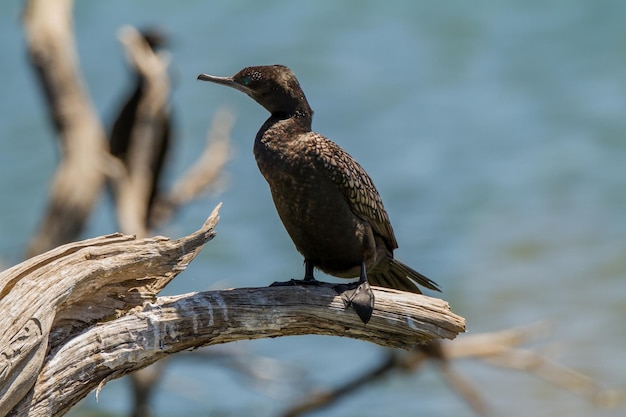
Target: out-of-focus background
494 132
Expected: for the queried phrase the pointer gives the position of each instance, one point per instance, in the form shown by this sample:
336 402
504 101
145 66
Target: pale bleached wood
172 324
47 299
87 312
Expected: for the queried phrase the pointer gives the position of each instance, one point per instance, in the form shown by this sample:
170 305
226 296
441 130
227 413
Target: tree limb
87 312
46 300
172 324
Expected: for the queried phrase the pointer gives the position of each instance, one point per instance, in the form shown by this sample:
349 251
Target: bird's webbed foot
308 279
358 295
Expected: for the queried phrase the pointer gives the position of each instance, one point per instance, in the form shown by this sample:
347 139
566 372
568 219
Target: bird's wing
356 186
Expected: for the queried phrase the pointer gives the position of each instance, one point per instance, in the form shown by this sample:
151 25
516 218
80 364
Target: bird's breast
313 209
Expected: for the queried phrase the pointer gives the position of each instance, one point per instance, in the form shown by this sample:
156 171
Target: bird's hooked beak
228 81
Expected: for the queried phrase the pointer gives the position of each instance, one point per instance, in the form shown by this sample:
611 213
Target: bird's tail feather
394 274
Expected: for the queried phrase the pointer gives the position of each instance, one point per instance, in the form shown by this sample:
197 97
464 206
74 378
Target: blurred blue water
494 132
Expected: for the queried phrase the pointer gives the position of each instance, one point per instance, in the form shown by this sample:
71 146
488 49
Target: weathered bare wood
172 324
85 313
79 178
77 364
47 299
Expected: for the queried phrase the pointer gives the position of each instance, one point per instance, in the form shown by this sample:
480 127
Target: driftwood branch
87 312
172 324
49 298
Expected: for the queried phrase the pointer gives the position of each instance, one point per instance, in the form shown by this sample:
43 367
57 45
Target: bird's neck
292 106
286 126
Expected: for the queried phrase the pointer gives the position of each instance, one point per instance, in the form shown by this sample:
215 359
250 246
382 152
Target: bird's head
274 87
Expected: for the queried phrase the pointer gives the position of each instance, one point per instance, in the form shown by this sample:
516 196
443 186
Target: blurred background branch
500 349
78 181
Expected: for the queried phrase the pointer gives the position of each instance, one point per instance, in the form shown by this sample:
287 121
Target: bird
121 131
326 201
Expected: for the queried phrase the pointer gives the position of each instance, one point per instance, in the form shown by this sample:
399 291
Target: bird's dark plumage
327 202
121 134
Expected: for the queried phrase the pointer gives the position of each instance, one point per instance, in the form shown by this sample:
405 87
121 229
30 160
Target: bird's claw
359 295
296 282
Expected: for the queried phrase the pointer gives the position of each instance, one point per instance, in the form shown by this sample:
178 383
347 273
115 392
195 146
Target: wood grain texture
88 312
171 324
50 298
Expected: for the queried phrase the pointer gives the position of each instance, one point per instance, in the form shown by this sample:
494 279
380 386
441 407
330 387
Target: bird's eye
246 80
